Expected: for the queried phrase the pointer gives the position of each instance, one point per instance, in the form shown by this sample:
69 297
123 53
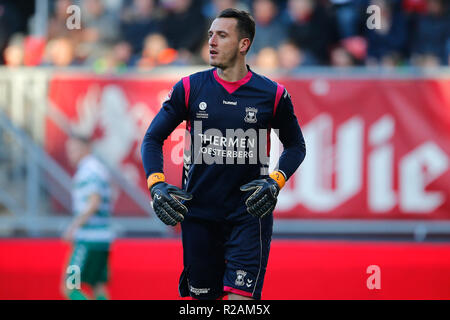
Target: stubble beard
224 65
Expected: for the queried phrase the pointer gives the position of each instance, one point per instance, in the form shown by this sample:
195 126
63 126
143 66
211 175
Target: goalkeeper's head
230 37
77 147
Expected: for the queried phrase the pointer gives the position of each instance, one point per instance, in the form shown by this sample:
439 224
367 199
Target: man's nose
213 41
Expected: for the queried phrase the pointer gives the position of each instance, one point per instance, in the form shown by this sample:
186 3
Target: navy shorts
222 257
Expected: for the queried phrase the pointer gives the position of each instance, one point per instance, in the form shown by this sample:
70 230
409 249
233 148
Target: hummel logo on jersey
234 103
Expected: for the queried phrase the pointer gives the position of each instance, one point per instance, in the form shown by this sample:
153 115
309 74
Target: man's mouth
212 52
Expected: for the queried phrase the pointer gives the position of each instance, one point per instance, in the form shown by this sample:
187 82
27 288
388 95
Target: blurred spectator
387 45
57 23
114 5
290 56
340 57
212 8
270 31
117 59
267 59
357 46
311 29
99 25
183 25
117 34
34 48
350 52
156 52
122 54
57 28
138 20
14 52
346 16
59 53
431 35
99 31
13 20
418 6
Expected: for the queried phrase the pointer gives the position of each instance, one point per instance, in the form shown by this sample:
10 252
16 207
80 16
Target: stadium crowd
118 34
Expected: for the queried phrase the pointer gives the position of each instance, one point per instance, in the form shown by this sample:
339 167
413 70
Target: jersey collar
232 86
87 158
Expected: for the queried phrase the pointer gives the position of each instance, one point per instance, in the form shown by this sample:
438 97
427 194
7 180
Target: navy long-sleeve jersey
228 143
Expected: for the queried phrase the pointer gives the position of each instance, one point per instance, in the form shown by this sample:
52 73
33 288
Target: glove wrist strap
279 178
155 178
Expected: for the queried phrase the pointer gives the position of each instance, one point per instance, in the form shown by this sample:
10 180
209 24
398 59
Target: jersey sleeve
172 113
290 135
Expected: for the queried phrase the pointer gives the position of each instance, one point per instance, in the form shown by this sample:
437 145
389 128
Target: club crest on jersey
250 115
240 275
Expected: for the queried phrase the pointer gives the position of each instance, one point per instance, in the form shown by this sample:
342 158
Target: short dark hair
245 22
83 138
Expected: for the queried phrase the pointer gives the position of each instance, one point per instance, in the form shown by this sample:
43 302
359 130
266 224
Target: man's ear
244 45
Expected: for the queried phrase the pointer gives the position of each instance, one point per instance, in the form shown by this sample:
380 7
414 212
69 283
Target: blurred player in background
227 222
89 232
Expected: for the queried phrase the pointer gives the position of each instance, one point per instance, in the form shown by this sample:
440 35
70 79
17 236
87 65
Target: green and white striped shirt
92 177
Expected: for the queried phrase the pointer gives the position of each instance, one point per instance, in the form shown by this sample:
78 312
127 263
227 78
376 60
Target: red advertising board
297 270
375 148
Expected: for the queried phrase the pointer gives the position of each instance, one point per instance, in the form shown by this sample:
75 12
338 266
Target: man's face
76 150
224 43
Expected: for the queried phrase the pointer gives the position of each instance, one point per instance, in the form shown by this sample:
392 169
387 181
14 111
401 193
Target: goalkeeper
227 198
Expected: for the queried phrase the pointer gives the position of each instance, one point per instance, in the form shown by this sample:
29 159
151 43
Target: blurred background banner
377 148
116 114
